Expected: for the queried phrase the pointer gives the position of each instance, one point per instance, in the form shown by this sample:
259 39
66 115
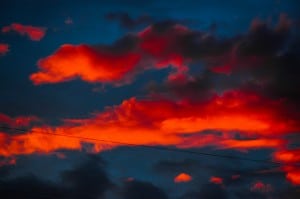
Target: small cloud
261 187
34 33
4 48
216 180
182 177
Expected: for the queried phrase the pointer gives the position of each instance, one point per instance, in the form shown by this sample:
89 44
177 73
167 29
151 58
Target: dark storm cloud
207 191
145 190
126 21
30 187
87 181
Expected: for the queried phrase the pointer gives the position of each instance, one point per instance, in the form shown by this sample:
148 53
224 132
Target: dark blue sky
205 76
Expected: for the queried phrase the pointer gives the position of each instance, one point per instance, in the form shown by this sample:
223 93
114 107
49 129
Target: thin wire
156 147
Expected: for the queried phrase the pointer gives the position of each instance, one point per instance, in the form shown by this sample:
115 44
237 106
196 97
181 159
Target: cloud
89 180
19 121
83 61
211 191
86 181
161 45
164 122
4 48
261 187
216 180
182 177
137 189
113 64
291 158
34 33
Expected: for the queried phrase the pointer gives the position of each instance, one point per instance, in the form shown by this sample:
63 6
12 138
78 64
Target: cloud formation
4 48
34 33
182 177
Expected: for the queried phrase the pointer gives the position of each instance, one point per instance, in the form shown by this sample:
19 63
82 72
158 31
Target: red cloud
156 122
166 123
182 177
4 48
8 161
216 180
261 187
106 65
88 63
20 121
292 160
34 33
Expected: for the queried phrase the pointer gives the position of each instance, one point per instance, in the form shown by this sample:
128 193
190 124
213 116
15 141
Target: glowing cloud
150 49
292 160
83 61
4 48
34 33
182 178
216 180
20 121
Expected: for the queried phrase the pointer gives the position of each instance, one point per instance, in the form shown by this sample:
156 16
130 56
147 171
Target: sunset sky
129 99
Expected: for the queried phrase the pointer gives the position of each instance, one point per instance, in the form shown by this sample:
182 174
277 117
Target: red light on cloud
235 177
261 187
4 48
91 64
182 178
290 157
34 33
216 180
8 161
20 121
87 63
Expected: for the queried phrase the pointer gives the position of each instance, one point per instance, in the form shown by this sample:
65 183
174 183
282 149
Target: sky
128 99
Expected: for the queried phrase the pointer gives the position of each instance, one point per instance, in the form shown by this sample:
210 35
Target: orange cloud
156 122
34 33
252 144
292 160
88 63
4 48
182 177
109 64
166 122
216 180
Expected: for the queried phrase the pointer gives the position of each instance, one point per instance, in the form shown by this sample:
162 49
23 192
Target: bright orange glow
93 64
182 177
82 61
157 122
288 156
293 175
252 144
241 123
216 180
291 157
34 33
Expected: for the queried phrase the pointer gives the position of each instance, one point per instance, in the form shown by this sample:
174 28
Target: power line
155 147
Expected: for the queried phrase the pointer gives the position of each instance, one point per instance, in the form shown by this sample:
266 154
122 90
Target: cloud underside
255 109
